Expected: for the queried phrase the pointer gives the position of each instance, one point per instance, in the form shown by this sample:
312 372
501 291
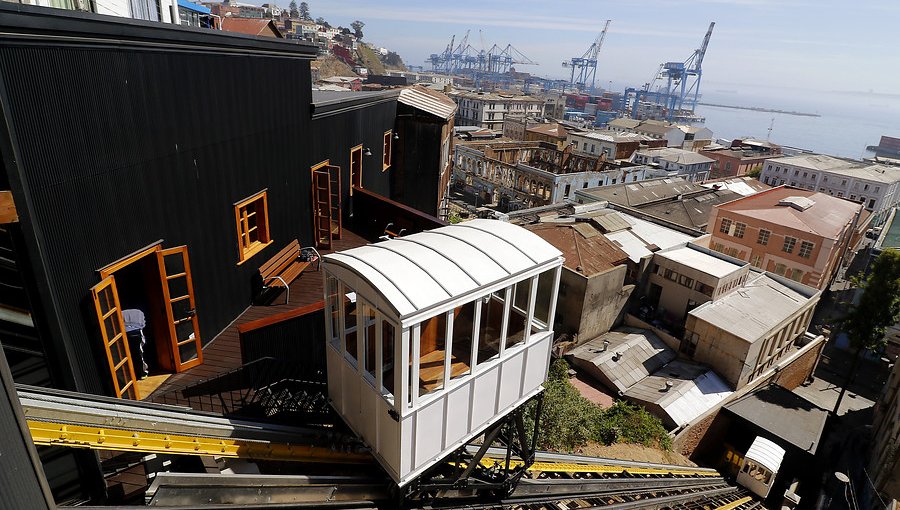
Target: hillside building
799 234
875 186
521 175
488 109
690 165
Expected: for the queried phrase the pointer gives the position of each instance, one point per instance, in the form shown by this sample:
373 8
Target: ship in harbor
888 147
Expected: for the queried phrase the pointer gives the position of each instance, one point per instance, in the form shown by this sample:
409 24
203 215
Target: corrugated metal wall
121 146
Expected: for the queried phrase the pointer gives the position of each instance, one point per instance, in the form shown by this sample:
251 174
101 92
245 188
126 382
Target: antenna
771 125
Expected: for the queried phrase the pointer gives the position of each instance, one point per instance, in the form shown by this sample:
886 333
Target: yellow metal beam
562 467
735 504
97 438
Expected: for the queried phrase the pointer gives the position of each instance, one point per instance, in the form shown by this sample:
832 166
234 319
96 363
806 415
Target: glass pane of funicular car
434 337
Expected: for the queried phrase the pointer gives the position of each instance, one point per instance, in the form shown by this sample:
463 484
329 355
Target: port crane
586 64
463 58
678 94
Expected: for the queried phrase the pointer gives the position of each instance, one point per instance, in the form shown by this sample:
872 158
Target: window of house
670 275
852 197
840 194
844 182
796 275
739 229
704 288
805 174
806 248
356 155
756 261
686 281
568 190
725 227
865 187
825 179
386 154
788 246
877 189
871 203
251 217
780 269
763 237
796 173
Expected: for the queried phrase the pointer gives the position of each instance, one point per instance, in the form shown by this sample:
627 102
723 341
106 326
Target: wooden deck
223 353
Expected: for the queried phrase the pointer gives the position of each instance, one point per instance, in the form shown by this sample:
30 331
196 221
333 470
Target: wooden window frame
262 225
387 150
356 174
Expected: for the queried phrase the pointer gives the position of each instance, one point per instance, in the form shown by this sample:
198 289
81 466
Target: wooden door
181 310
321 207
115 343
334 183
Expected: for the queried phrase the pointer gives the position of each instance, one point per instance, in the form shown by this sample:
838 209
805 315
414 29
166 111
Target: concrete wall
702 437
738 361
590 307
604 302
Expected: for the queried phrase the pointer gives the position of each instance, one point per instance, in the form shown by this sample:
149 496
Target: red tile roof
251 26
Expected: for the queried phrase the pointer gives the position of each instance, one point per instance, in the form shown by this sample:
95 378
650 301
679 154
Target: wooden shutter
335 193
181 310
321 207
115 343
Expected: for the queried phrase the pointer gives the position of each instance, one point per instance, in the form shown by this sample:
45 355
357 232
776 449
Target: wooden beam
7 208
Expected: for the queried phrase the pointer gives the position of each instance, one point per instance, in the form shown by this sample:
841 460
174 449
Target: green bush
569 421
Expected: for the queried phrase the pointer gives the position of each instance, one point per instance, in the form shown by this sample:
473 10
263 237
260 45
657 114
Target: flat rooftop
753 309
701 261
841 166
676 155
644 238
783 414
635 194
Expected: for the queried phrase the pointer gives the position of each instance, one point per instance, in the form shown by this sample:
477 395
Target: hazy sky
824 45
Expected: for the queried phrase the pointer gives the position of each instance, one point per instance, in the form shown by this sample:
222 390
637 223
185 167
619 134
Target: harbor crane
586 65
679 95
491 64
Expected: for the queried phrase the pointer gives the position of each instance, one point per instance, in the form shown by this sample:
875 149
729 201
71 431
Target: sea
848 121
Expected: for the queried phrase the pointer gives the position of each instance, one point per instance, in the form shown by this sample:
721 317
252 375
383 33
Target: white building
692 166
487 109
608 143
675 135
165 11
875 186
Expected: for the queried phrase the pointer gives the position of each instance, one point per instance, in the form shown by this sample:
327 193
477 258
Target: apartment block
875 186
676 162
488 109
799 234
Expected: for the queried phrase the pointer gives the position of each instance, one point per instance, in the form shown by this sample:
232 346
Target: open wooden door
334 183
181 312
321 207
115 343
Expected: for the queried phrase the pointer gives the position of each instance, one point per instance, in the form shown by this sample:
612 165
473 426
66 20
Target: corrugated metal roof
610 222
622 359
586 251
694 390
429 101
419 271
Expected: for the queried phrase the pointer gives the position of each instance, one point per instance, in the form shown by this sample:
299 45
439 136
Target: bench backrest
277 264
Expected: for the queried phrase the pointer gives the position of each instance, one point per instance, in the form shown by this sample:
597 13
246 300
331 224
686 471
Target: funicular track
553 480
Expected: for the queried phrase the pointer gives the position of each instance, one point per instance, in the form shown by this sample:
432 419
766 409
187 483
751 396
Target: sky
823 45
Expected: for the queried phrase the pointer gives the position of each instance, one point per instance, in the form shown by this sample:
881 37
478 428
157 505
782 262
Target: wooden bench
285 267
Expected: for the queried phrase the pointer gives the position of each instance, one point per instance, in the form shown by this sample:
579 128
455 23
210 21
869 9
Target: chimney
669 385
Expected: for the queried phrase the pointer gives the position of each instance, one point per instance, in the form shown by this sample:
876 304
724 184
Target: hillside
370 60
330 66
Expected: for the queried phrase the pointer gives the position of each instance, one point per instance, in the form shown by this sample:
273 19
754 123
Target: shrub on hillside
569 421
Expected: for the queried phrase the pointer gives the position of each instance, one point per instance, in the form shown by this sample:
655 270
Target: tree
304 12
321 21
293 8
357 27
878 308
